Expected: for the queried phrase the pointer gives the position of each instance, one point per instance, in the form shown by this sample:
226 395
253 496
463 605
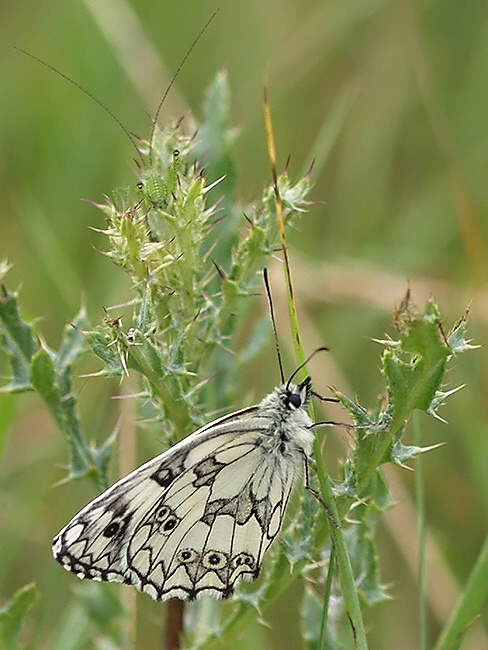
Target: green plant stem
420 506
376 458
177 410
7 407
345 574
346 577
325 609
469 604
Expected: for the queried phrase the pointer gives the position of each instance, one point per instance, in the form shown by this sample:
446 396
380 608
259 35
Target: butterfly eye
294 400
140 185
111 529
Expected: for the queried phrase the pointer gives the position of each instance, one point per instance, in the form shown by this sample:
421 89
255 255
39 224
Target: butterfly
199 517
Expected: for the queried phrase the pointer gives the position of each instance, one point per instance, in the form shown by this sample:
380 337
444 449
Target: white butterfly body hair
199 517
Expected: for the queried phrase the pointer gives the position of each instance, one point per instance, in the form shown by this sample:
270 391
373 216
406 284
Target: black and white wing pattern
199 517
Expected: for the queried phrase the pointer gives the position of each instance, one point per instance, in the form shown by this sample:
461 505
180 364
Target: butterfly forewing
199 517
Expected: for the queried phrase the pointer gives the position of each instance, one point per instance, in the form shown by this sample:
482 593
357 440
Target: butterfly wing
196 519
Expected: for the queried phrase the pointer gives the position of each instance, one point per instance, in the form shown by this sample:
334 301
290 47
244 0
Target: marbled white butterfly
199 517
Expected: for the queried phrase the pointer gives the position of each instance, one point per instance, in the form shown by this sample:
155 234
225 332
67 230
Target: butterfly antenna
83 90
163 98
302 365
273 322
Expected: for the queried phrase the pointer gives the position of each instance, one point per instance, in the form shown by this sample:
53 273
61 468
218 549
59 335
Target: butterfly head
288 401
297 395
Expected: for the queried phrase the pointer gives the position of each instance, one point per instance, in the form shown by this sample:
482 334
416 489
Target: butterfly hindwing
194 520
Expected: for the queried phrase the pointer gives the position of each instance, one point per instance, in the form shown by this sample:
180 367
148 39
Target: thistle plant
188 292
185 301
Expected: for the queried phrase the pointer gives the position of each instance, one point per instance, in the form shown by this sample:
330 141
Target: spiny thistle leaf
414 367
457 336
72 344
49 374
401 453
60 403
18 340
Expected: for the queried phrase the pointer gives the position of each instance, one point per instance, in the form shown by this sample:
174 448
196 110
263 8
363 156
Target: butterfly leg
324 399
315 493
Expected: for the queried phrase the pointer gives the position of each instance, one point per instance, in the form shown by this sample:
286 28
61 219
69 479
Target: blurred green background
391 99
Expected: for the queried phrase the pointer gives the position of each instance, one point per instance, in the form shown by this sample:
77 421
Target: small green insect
153 190
156 188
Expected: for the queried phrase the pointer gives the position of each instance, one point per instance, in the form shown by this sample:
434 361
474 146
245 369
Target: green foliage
184 305
96 616
37 368
183 314
469 604
17 340
413 366
12 616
